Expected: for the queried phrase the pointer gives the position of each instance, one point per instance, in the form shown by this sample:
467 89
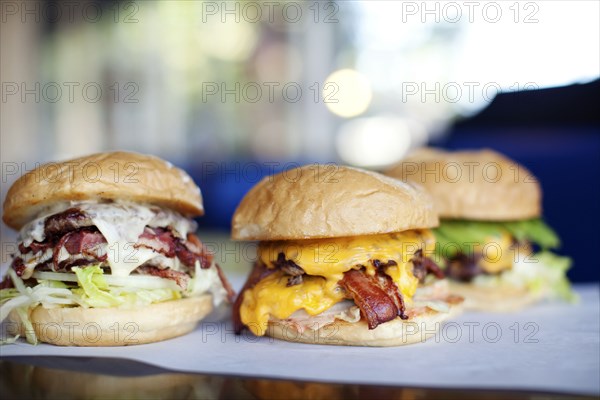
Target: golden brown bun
392 333
80 326
494 299
117 175
465 184
330 201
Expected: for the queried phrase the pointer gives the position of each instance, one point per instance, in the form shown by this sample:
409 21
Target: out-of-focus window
203 80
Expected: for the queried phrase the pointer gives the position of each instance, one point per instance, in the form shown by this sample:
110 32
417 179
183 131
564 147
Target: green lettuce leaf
7 294
535 231
94 289
553 270
460 235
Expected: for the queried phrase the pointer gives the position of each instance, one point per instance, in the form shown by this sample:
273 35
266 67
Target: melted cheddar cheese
325 261
498 253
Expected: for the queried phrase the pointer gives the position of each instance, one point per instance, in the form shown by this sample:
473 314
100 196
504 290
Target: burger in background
107 253
492 241
343 258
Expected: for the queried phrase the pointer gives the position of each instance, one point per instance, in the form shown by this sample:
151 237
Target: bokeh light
347 93
378 141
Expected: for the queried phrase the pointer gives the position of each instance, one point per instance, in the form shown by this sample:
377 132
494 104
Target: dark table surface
110 378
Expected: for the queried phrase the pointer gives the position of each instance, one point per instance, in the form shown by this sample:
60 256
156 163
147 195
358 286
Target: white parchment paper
550 347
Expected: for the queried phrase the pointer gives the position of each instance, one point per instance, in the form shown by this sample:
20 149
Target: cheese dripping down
324 261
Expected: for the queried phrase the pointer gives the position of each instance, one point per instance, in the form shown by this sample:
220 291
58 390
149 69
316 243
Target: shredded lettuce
544 273
553 269
460 235
94 290
89 287
9 340
29 331
7 294
21 299
133 281
91 290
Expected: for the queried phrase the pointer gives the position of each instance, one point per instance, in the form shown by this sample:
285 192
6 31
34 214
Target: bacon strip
289 268
259 272
464 268
423 265
226 284
376 306
391 290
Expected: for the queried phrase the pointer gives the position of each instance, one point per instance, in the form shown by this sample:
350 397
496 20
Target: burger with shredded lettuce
492 241
106 253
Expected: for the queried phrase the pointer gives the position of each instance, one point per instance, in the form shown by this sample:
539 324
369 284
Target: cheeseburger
106 253
343 258
491 242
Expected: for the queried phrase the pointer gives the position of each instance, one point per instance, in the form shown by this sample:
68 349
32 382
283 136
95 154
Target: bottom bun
420 327
78 326
495 299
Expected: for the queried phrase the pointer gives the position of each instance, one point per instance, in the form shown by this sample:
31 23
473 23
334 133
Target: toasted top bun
477 185
115 176
322 201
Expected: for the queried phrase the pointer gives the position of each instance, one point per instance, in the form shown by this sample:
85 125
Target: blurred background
232 91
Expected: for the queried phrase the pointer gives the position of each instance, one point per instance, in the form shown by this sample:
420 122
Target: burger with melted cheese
343 258
491 228
106 253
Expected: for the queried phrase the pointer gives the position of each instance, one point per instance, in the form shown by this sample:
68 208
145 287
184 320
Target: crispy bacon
463 268
289 268
379 265
423 265
294 280
226 284
193 243
391 290
375 304
259 272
